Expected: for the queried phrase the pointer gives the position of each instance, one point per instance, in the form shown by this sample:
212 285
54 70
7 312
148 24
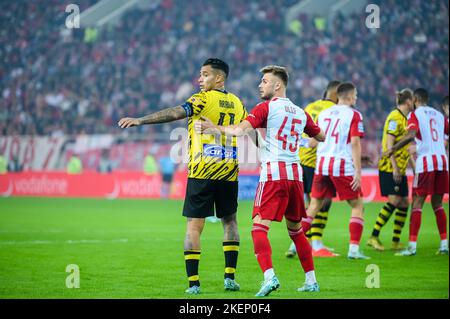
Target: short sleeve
311 128
393 126
258 116
195 104
357 125
413 123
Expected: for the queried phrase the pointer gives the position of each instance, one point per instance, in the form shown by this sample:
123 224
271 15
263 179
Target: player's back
308 154
334 155
431 128
279 149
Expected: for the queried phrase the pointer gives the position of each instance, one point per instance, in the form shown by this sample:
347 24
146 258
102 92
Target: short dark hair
278 71
421 95
445 100
404 95
331 85
345 88
218 64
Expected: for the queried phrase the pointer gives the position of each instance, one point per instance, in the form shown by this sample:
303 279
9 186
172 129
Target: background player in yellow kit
392 172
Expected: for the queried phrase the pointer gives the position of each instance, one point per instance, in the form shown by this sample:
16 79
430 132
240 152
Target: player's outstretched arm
167 115
205 125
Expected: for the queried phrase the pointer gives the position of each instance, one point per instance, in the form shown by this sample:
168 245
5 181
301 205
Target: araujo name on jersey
219 151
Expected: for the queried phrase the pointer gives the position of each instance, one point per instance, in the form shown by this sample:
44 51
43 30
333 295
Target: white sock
269 274
316 244
354 248
292 247
444 243
310 277
412 245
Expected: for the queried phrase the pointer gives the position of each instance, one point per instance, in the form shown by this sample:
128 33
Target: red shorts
430 183
326 187
276 199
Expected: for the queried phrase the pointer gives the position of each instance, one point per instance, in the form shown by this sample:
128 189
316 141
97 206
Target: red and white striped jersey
431 128
334 156
285 123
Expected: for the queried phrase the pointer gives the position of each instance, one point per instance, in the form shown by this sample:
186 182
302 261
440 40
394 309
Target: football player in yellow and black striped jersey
213 167
308 161
392 172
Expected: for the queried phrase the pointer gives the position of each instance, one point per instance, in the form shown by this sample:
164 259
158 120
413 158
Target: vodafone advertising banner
131 185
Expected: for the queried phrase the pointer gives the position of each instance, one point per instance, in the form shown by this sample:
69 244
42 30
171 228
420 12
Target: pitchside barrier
114 185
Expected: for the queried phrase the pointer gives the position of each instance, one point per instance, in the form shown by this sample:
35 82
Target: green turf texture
134 249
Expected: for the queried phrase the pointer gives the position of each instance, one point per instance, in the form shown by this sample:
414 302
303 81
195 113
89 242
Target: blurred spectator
150 166
105 164
74 166
14 165
167 167
55 82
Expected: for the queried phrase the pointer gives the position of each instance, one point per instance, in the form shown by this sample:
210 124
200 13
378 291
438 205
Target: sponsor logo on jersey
219 151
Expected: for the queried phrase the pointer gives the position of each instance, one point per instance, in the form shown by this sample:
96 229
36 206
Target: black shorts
203 194
308 177
389 187
167 178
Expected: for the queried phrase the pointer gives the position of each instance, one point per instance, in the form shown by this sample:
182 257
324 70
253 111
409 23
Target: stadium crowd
53 82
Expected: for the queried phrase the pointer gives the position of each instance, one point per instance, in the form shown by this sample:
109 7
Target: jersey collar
221 91
400 111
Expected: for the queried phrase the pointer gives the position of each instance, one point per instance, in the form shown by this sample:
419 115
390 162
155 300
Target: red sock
303 247
441 221
414 224
356 228
261 243
306 223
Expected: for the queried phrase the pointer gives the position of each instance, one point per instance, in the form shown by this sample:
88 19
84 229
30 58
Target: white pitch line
69 241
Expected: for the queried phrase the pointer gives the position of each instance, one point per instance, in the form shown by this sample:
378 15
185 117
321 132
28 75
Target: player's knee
395 201
436 202
404 203
293 225
326 205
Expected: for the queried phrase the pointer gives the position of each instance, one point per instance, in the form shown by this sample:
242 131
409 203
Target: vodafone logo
41 185
141 187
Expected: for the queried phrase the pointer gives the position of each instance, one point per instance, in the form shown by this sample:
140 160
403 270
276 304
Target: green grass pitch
134 249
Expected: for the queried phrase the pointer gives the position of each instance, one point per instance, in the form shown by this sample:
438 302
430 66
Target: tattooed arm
167 115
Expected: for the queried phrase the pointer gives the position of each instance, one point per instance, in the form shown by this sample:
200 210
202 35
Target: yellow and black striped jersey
396 124
308 155
213 156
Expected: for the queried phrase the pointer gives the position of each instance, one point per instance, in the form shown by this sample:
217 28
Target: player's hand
356 183
397 175
127 122
203 125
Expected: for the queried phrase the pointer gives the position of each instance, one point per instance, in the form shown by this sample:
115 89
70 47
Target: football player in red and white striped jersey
428 128
338 166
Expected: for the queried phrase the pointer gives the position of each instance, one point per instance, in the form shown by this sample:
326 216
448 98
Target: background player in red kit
338 166
280 190
427 127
